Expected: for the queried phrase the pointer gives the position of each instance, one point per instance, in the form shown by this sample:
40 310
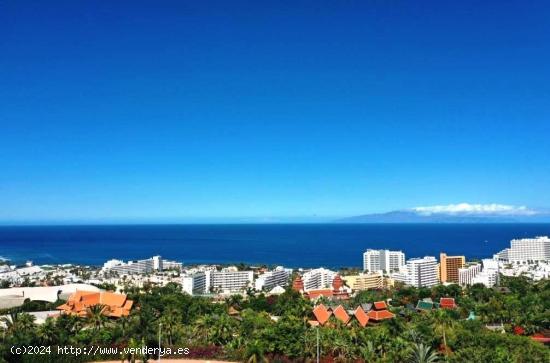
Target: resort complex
155 299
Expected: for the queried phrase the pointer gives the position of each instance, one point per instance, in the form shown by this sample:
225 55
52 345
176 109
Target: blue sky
207 111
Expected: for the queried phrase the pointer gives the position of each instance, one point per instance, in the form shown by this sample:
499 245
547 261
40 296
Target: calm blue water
293 245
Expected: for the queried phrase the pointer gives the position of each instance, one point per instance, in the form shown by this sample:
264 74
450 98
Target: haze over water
292 245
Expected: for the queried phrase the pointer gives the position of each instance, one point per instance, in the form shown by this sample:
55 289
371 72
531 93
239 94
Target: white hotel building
467 273
196 284
278 277
526 250
319 278
474 274
225 281
139 267
383 260
420 272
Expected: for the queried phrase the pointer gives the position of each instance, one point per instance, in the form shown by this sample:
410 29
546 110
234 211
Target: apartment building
449 266
229 281
139 267
319 278
530 249
368 281
422 272
467 273
383 260
278 277
225 281
196 283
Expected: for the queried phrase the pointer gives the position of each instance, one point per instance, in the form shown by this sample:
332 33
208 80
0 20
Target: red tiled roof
361 316
116 305
321 314
380 305
341 314
313 294
447 303
298 284
542 338
380 315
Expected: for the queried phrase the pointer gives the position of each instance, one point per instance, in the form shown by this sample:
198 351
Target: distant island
456 213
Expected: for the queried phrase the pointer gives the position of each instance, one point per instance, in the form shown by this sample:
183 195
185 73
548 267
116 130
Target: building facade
530 249
171 265
278 277
449 266
196 284
359 282
139 267
526 250
383 260
422 272
466 274
229 281
319 278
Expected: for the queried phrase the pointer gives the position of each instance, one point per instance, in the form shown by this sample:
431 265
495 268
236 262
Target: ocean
291 245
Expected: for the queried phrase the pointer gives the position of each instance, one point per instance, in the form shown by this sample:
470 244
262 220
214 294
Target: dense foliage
276 328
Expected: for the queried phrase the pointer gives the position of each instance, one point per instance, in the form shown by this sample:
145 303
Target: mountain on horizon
442 215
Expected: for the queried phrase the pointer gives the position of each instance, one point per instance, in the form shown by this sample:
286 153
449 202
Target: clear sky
206 111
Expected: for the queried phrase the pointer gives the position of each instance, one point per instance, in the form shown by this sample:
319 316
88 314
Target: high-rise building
139 267
422 272
488 278
319 278
383 260
278 277
526 250
467 273
195 284
171 265
230 281
449 266
227 281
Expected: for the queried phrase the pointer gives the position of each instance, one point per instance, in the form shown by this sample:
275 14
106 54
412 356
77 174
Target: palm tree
47 332
18 322
123 321
10 322
423 354
255 353
170 321
222 330
20 326
368 353
96 316
443 324
68 326
340 348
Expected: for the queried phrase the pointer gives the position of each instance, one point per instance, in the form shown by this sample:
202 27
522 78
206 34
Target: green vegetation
213 329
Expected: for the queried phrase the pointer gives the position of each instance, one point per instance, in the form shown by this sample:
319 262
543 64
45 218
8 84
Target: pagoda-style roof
298 284
447 303
379 315
361 316
424 305
341 314
322 314
114 305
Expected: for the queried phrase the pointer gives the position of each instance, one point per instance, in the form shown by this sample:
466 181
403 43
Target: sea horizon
293 245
